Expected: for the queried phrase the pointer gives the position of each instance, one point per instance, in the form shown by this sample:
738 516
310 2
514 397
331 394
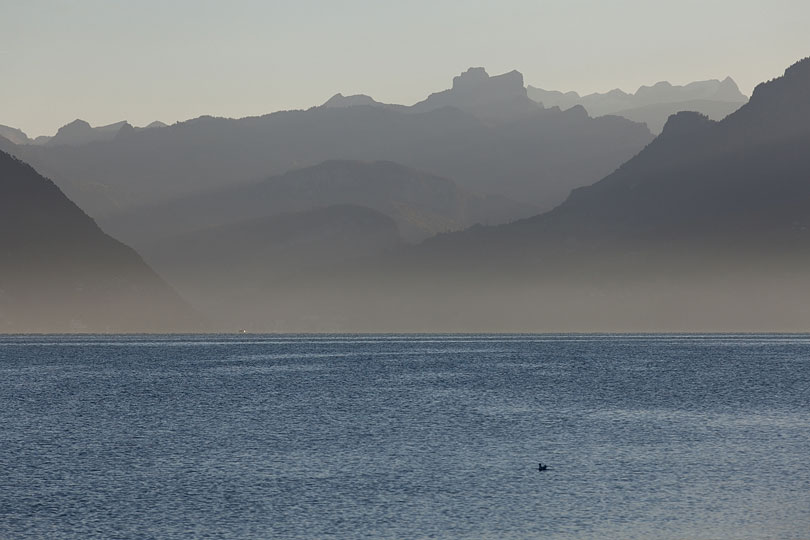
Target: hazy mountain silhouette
79 133
76 133
490 98
707 229
60 272
744 178
17 136
537 157
652 104
339 101
656 115
421 204
502 97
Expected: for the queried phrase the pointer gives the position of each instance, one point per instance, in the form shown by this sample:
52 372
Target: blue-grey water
405 437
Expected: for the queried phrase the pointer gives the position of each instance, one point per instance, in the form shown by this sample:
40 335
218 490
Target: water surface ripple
405 436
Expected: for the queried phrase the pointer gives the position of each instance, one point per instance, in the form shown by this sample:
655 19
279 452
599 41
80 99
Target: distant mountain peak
796 76
800 68
652 105
77 124
473 76
577 111
728 89
79 132
17 136
339 101
684 123
477 77
487 97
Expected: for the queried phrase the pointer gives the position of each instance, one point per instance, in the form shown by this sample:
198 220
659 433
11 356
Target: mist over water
405 436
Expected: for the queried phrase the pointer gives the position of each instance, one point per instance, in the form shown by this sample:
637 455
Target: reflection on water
405 436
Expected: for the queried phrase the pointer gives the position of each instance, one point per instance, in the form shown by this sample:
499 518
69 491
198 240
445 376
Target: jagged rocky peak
787 94
799 69
685 122
728 89
797 77
470 78
476 77
725 90
712 89
502 97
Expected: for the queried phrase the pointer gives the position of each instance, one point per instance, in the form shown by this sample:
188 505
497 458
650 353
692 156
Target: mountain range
483 133
705 227
76 133
493 99
652 105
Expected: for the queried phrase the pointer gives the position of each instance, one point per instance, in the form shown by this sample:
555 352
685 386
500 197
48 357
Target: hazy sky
169 60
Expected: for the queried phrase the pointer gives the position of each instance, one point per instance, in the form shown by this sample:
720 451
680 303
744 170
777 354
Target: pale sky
170 60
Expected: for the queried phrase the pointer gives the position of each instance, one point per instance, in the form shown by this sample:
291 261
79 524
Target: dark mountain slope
60 272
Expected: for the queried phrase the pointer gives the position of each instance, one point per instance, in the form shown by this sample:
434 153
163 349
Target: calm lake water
405 437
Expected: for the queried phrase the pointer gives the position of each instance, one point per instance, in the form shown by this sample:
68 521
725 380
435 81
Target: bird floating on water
541 467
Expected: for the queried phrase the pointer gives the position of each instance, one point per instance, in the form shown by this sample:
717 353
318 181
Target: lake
412 436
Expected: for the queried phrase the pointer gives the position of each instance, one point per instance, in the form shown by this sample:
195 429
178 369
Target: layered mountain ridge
75 133
421 204
652 104
484 134
698 171
706 229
